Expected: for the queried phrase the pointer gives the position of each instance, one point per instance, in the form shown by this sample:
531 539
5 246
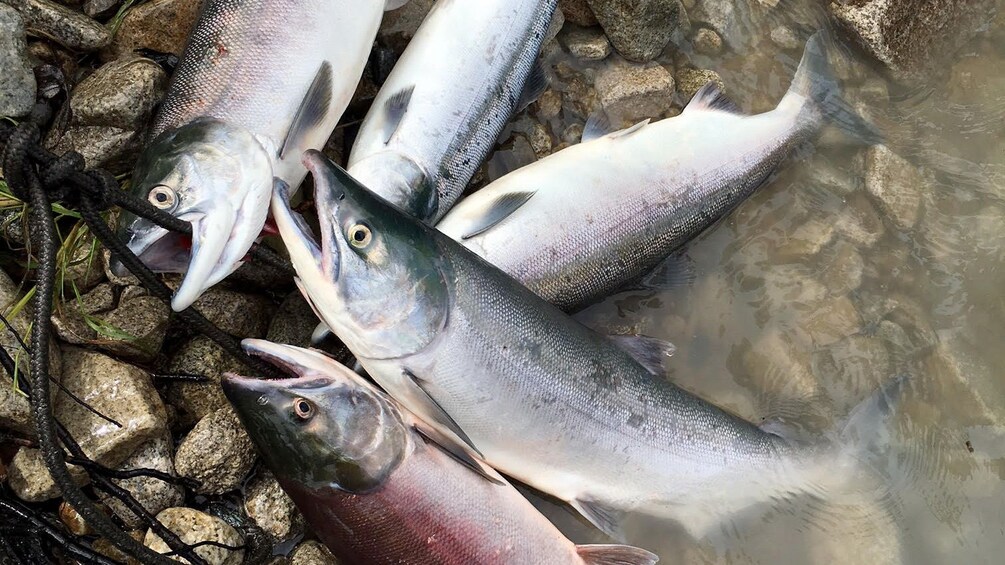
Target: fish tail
816 93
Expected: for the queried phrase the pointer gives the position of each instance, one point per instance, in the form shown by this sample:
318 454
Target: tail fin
817 94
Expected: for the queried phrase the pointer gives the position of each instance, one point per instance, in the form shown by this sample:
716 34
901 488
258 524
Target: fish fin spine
614 554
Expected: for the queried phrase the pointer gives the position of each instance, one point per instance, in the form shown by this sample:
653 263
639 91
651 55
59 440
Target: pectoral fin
537 83
495 211
606 519
394 111
425 406
650 352
312 111
459 451
613 554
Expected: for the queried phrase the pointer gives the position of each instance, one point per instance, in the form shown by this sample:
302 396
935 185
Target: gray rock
548 106
780 368
125 280
84 268
841 177
784 37
239 314
70 317
578 12
15 412
271 508
912 37
101 146
856 362
294 322
895 185
399 26
554 26
689 80
200 356
193 527
805 241
217 452
161 25
586 43
641 29
137 327
66 26
728 18
833 320
312 553
154 494
631 92
707 42
842 272
966 381
101 8
859 222
29 478
119 391
17 81
120 94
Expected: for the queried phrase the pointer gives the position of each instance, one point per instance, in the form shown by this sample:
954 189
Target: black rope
66 543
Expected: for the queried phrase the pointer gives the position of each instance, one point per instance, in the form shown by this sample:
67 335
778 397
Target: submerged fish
378 485
545 399
260 81
579 224
447 99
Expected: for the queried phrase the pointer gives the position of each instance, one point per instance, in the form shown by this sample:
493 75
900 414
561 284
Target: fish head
378 278
325 427
400 180
217 177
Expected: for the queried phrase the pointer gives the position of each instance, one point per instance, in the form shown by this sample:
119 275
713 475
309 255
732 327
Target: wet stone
120 94
312 553
29 478
101 146
856 362
236 313
966 380
66 26
689 80
707 42
630 93
161 25
101 8
805 241
548 106
842 271
859 222
555 26
271 508
15 413
785 37
217 452
777 366
69 318
84 268
136 328
117 390
895 185
832 321
193 527
586 43
578 12
294 322
640 29
399 26
154 494
723 16
203 357
17 82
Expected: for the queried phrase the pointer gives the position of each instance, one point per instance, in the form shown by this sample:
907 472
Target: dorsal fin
606 519
537 83
675 271
394 111
710 97
597 125
425 406
320 333
496 211
312 110
614 554
460 452
650 352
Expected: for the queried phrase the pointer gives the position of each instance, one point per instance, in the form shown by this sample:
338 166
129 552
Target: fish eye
303 408
162 197
359 236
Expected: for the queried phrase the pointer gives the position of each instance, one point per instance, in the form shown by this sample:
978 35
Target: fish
259 82
378 485
572 413
586 221
468 68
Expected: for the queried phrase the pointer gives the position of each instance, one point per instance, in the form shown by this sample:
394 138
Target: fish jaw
217 177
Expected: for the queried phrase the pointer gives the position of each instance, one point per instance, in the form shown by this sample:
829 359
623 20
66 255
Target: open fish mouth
170 252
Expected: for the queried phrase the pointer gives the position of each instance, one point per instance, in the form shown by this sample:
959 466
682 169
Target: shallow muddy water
815 292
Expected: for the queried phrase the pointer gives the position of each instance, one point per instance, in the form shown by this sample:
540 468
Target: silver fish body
447 100
579 224
545 399
375 486
260 82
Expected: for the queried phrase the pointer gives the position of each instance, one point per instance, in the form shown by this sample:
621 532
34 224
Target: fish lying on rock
447 100
578 225
378 485
248 97
547 401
